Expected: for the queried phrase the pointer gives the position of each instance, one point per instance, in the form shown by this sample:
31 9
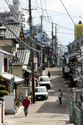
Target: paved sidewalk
10 119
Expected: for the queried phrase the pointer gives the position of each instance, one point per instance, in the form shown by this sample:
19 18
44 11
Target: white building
14 15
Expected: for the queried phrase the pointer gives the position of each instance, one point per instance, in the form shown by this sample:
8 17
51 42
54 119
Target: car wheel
49 87
46 98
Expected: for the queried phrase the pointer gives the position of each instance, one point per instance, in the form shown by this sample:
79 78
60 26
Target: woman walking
60 96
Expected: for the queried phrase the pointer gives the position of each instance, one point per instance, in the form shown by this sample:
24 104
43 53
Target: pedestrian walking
49 74
60 96
26 103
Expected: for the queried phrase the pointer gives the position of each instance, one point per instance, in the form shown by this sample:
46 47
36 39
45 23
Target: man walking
26 103
60 96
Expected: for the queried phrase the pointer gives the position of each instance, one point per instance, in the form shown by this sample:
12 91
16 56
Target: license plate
39 97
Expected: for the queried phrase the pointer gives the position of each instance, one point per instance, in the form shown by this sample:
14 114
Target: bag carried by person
61 94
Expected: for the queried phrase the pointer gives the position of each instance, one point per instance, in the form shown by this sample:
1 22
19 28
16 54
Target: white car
45 81
41 92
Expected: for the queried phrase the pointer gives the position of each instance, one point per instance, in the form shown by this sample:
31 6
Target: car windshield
44 79
40 90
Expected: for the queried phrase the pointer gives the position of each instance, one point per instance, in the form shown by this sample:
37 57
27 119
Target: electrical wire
65 33
66 38
41 7
18 39
64 14
52 10
71 18
37 6
46 10
59 25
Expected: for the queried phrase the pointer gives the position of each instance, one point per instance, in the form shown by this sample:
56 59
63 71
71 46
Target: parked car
45 81
41 92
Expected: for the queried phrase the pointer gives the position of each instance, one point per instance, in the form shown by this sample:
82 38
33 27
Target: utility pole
55 45
41 44
52 44
32 63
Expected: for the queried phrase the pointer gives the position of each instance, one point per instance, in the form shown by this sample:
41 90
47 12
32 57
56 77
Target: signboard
73 90
12 79
11 82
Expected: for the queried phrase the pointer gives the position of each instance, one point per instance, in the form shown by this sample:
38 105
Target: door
5 64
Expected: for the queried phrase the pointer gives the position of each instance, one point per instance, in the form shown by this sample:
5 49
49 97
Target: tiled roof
15 27
71 55
8 76
75 41
23 54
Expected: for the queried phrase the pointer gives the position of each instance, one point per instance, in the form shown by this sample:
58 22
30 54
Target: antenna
80 17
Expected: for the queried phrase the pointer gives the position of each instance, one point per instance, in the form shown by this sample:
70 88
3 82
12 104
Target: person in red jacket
26 103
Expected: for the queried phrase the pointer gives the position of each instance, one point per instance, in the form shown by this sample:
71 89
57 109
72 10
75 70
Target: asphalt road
49 112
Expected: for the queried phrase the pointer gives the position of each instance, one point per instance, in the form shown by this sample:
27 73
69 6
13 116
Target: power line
46 10
37 7
65 33
63 27
66 38
63 14
59 25
41 7
71 18
18 39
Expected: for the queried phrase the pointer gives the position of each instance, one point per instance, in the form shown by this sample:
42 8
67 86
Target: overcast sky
55 13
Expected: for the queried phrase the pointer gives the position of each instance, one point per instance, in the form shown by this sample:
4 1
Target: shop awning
27 70
9 76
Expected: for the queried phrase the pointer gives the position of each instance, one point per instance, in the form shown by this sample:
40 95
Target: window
40 90
73 46
77 44
81 42
44 79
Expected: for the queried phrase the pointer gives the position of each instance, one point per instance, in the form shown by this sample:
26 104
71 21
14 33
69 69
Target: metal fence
71 108
78 116
73 105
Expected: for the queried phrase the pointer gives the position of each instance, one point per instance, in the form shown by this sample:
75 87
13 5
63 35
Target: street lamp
2 30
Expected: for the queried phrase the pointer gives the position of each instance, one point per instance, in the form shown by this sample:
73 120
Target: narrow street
49 111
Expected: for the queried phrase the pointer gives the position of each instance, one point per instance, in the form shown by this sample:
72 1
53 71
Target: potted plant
3 91
1 78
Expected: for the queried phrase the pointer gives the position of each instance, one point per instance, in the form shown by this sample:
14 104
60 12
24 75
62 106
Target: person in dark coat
26 103
49 74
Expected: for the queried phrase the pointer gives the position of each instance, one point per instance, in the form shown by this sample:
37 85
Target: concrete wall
22 92
9 103
5 42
